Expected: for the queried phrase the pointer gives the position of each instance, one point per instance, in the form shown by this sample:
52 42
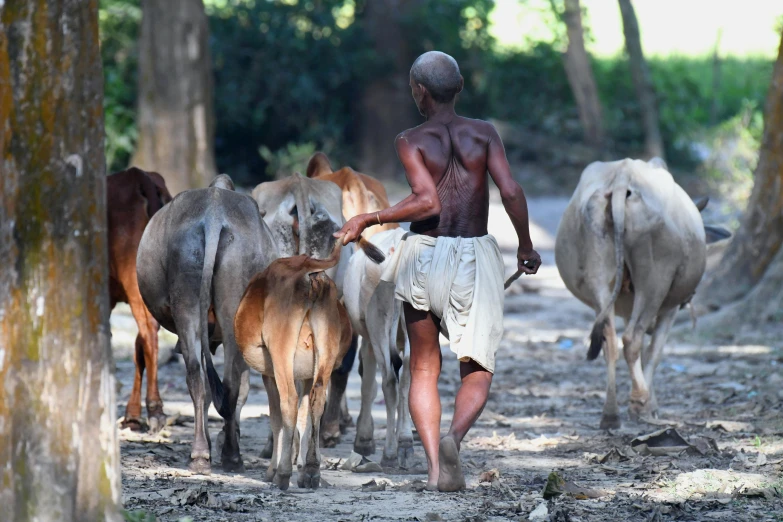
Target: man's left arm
514 202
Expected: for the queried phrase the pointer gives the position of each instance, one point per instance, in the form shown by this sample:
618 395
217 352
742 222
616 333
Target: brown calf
291 327
133 196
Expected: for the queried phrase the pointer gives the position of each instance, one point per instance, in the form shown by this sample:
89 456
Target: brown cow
133 196
362 194
291 327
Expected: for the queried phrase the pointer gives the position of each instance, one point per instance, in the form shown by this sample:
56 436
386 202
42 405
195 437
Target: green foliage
289 159
289 76
119 28
285 72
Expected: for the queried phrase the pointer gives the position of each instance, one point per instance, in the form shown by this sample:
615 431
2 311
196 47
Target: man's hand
352 229
528 260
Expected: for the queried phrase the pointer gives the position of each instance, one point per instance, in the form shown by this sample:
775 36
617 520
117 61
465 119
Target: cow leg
365 443
384 343
643 316
304 429
268 450
652 355
331 423
346 421
148 339
191 352
611 415
404 430
132 418
275 425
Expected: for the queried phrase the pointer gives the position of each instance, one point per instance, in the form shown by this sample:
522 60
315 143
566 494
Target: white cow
631 243
377 317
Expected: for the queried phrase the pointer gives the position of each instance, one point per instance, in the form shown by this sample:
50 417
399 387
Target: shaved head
439 73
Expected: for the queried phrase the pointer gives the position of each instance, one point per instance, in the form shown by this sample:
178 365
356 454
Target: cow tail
211 239
619 192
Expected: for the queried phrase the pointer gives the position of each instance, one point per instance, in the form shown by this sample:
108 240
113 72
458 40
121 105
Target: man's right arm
514 202
422 203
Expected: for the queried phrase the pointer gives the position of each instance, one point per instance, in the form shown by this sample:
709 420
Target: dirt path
542 416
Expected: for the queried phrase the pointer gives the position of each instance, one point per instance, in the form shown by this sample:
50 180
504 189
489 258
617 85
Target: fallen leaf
556 486
730 426
539 514
660 443
373 486
489 476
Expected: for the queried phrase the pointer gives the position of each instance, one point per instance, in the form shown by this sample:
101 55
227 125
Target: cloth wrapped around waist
460 280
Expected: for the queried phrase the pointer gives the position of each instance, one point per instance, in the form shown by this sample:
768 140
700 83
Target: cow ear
701 203
716 233
318 165
658 163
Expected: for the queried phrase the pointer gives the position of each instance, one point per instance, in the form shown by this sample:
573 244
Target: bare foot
450 477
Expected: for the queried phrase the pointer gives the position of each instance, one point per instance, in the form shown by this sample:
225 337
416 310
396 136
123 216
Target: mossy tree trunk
58 440
749 257
580 76
175 107
387 107
642 81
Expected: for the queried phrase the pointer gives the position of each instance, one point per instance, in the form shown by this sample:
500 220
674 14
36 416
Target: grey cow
631 243
197 255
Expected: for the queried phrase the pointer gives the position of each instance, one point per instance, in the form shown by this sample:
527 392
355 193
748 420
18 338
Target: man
449 270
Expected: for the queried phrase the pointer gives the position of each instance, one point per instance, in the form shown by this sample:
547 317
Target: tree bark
760 236
175 115
387 107
58 439
580 76
642 81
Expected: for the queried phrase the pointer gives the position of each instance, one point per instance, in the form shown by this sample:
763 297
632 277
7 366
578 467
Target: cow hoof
405 454
282 481
200 466
309 479
610 422
270 474
156 421
233 465
389 462
330 440
133 424
364 447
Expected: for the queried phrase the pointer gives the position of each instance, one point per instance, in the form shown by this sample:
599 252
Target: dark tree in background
387 107
175 112
580 75
753 263
642 81
58 440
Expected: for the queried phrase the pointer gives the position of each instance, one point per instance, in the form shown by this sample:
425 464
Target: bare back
456 156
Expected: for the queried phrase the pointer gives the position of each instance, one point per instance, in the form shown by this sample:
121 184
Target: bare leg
424 399
471 399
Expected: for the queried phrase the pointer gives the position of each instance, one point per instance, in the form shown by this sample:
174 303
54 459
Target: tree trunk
175 116
387 107
580 77
760 237
58 439
640 72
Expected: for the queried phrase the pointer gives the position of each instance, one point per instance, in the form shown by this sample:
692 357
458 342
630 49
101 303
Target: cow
303 214
196 257
631 243
377 316
290 326
362 194
133 196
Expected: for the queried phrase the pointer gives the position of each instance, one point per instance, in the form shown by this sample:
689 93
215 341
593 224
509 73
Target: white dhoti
460 280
